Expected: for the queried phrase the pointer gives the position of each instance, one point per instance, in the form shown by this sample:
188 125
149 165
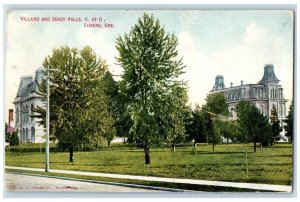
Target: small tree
215 104
11 138
196 126
14 139
110 135
275 124
254 125
7 135
289 123
227 129
233 132
211 130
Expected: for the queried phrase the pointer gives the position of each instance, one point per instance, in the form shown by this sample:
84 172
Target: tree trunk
108 142
174 149
71 154
254 146
147 154
213 146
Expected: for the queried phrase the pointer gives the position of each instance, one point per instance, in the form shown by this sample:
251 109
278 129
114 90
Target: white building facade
28 128
264 95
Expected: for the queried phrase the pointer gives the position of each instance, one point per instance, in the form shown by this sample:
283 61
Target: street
25 183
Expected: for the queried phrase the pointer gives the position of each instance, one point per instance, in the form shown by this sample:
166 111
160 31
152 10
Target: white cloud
28 44
103 45
241 61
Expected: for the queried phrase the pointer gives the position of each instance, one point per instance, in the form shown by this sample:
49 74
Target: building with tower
27 98
264 95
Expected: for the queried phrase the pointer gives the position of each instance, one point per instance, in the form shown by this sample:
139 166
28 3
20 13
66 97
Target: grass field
272 165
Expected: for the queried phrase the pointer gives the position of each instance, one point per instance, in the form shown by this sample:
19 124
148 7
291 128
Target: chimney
10 116
242 82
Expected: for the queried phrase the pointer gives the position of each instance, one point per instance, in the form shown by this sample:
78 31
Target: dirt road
24 183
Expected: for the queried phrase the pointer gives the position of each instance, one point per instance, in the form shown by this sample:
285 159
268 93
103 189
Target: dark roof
27 85
269 74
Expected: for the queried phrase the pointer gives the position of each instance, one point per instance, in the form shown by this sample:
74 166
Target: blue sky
234 43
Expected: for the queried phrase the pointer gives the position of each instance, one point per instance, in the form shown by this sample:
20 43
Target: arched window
260 92
254 92
280 93
243 93
31 112
272 93
17 115
26 134
281 110
23 134
32 134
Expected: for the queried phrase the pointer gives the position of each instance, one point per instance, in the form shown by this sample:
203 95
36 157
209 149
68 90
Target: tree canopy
216 103
79 106
254 126
155 96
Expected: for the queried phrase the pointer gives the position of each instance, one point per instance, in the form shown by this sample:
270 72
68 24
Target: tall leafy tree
289 123
79 106
154 93
253 124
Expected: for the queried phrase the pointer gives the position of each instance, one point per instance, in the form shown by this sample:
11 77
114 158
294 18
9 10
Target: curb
242 185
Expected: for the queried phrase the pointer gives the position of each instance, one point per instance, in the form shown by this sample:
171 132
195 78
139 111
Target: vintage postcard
149 100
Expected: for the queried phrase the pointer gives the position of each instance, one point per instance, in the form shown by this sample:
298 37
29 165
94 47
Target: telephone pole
47 150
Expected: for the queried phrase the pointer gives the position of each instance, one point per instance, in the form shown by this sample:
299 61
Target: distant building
264 94
26 99
10 128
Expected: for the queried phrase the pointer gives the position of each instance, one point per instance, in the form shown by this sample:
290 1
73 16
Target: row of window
276 94
261 108
25 118
257 92
235 94
25 134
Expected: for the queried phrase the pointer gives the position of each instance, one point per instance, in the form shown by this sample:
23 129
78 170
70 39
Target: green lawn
271 165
